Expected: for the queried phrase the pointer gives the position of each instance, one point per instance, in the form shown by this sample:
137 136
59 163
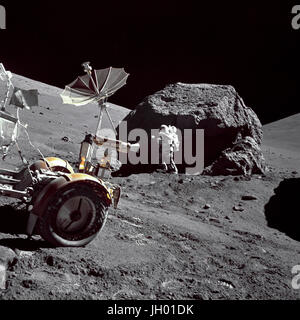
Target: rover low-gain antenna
86 67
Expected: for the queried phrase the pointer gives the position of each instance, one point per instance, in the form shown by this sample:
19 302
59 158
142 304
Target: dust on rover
66 207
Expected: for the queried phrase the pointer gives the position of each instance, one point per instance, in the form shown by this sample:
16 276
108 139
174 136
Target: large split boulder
218 109
243 158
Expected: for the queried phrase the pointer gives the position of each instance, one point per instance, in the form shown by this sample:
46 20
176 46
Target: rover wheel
74 216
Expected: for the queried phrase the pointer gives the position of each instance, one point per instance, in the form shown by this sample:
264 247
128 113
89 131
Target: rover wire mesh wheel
74 216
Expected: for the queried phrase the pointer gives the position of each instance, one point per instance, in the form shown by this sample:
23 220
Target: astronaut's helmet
173 129
164 128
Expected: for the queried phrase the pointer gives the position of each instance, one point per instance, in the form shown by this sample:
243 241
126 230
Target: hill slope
164 241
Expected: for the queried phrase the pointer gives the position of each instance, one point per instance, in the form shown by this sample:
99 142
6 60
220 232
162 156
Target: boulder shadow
282 210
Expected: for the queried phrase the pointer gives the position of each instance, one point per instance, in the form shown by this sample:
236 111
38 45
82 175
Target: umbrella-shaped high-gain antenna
102 102
95 85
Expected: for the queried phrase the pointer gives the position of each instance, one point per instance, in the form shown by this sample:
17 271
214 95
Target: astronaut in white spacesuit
168 144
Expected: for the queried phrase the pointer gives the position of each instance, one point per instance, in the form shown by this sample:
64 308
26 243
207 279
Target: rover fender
94 182
42 200
40 203
53 163
57 164
48 192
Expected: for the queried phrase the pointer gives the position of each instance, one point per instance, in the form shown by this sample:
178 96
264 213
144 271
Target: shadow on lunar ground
13 221
24 244
282 210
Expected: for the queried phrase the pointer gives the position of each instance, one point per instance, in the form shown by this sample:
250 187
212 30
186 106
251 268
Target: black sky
250 45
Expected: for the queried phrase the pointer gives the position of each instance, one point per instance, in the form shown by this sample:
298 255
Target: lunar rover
68 208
